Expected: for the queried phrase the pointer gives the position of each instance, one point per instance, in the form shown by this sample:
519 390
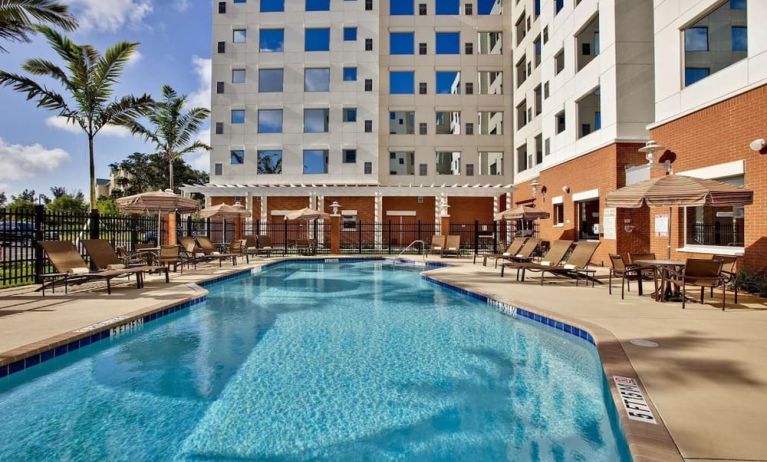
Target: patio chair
265 245
303 247
452 246
437 244
576 265
191 253
626 272
647 272
171 255
72 269
513 249
729 275
699 273
557 252
210 251
104 257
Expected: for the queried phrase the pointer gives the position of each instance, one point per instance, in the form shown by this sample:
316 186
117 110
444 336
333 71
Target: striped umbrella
224 211
521 213
158 202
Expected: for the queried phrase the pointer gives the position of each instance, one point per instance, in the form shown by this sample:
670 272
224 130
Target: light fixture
335 206
566 189
443 209
534 185
649 149
758 145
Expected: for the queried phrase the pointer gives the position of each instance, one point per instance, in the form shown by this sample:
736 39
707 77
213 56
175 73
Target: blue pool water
319 361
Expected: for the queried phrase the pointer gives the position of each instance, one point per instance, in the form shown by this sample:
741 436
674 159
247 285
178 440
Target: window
316 120
521 71
238 75
489 7
237 157
519 29
545 34
588 219
368 5
537 8
545 90
317 39
350 74
368 84
401 163
559 214
521 110
715 41
368 126
368 44
350 114
538 49
401 82
350 34
219 128
218 169
270 121
469 128
547 147
559 61
422 88
447 7
368 169
469 88
316 80
423 169
271 40
448 43
468 9
239 36
317 5
315 161
558 5
589 113
468 48
270 80
402 122
538 149
448 82
448 163
220 88
401 8
272 6
490 43
716 226
349 220
538 100
221 7
269 162
448 123
423 128
422 50
491 163
490 82
221 47
490 123
401 43
469 169
238 116
349 156
522 163
422 11
560 123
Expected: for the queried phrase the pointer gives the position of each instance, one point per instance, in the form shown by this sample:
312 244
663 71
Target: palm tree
17 18
173 129
88 78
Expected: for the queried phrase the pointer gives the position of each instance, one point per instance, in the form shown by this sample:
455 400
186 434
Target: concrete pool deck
707 379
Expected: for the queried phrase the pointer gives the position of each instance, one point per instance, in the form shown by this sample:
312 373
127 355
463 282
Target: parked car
19 231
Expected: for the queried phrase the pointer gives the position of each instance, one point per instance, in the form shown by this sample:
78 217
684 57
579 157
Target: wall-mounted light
443 209
544 191
650 148
335 206
566 189
758 145
534 186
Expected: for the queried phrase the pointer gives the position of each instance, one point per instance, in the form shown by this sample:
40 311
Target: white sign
633 400
608 223
661 225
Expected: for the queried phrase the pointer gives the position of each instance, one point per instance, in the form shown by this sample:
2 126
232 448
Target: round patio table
665 293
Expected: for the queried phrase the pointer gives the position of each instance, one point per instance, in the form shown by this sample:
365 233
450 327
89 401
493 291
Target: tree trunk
92 165
170 173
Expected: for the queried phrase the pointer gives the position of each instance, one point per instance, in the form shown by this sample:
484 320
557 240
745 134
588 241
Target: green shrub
752 282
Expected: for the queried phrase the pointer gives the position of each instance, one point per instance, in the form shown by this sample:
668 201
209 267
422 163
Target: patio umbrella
224 211
157 202
678 191
307 214
521 213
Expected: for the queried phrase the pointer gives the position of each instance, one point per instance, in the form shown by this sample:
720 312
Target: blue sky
37 151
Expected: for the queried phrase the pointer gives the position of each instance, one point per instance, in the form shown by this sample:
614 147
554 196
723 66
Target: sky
38 151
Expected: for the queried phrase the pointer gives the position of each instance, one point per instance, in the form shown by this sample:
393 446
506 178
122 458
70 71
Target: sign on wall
608 224
661 225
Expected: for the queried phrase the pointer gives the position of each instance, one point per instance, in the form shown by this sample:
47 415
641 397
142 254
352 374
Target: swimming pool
320 361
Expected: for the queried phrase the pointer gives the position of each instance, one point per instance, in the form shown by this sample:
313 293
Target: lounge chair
512 250
700 273
72 269
554 257
452 246
626 272
576 265
249 246
191 253
265 245
171 255
526 253
210 251
303 247
104 257
437 244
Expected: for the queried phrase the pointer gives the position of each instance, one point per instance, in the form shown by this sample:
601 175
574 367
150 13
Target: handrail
417 241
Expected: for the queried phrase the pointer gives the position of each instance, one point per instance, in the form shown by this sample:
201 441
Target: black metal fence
720 234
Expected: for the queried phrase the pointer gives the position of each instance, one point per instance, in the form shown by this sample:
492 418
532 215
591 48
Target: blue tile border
516 311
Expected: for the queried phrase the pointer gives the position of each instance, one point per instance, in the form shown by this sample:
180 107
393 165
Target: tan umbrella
224 211
157 202
521 213
307 214
678 191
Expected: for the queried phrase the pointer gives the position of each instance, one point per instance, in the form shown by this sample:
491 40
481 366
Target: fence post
258 228
39 217
359 236
476 237
133 232
495 237
419 237
389 237
189 225
285 237
94 224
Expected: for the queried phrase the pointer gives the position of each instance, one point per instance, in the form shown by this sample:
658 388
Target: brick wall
424 211
365 206
718 134
469 209
284 203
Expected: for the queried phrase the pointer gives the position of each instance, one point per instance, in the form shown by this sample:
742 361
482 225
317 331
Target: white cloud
20 162
203 67
110 15
181 5
135 57
62 124
200 161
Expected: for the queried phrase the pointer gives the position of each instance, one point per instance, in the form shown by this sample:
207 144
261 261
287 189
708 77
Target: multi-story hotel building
392 109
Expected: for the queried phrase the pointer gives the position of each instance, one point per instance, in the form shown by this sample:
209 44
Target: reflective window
317 5
350 34
402 122
350 114
696 39
448 43
237 156
317 39
716 226
490 82
239 36
448 82
316 120
350 74
401 7
270 80
238 75
401 82
448 123
448 7
271 40
401 163
315 161
272 6
401 43
269 162
316 79
448 163
490 123
490 43
489 7
349 156
693 74
491 163
238 116
270 121
739 39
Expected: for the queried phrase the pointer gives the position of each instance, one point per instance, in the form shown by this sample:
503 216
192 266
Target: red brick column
170 222
238 224
335 234
444 225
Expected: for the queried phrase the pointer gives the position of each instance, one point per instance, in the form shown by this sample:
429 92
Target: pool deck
707 381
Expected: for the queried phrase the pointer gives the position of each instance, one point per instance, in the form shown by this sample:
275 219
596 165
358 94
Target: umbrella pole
668 246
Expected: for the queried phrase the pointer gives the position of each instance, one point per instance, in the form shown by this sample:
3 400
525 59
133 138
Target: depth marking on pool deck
633 400
97 325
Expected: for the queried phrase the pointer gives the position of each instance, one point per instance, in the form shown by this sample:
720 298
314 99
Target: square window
269 162
315 161
491 163
401 43
239 36
270 121
270 80
350 74
696 39
237 156
271 40
316 120
489 7
238 75
448 122
350 114
448 82
491 123
349 156
317 5
490 43
448 163
401 82
238 116
448 43
739 39
350 34
402 163
272 6
402 122
316 80
317 39
448 7
401 8
693 74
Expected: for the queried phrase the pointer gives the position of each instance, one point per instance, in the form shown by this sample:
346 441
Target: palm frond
19 17
38 66
194 147
123 111
109 66
44 98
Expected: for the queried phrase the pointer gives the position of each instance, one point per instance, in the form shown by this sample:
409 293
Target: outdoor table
150 253
663 266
